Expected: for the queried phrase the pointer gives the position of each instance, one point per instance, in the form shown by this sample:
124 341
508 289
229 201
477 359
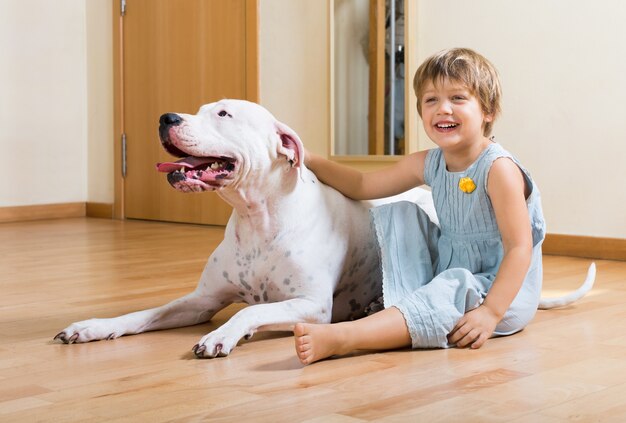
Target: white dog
294 249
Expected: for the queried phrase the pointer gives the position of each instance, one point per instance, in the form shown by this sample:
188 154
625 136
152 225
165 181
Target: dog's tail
548 303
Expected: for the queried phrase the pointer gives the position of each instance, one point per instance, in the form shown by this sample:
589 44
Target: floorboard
569 364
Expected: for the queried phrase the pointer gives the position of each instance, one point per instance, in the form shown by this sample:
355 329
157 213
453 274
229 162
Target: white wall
43 113
563 67
294 76
99 40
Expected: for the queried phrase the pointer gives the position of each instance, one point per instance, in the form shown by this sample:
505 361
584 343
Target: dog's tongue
187 162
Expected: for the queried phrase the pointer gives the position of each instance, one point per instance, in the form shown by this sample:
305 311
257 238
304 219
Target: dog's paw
86 331
215 344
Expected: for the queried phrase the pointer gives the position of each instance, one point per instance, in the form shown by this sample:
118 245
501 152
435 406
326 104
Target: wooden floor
569 364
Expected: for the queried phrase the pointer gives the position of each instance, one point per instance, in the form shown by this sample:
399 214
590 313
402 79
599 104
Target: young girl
476 275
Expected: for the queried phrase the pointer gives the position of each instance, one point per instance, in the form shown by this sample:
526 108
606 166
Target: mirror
368 84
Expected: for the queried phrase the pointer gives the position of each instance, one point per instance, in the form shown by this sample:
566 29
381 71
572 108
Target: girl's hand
474 328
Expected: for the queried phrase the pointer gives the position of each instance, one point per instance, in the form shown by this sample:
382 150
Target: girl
476 275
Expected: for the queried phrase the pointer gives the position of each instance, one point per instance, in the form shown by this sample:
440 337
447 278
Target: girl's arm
507 190
407 173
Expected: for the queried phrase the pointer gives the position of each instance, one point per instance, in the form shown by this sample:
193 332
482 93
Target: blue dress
435 274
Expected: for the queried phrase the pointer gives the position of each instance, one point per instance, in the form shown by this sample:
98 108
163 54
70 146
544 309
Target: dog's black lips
212 171
174 177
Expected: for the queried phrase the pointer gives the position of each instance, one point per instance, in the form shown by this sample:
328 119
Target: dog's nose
170 119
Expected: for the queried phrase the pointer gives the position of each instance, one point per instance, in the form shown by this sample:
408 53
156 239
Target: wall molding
55 211
554 244
585 246
100 210
40 212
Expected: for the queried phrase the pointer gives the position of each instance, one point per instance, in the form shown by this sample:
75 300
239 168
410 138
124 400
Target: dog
294 249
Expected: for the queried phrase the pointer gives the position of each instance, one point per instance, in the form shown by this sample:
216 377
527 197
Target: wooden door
177 56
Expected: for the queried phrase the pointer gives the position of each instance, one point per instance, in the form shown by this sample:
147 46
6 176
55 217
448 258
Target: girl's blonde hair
467 67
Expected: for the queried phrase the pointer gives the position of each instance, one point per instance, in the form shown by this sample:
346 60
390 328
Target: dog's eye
224 113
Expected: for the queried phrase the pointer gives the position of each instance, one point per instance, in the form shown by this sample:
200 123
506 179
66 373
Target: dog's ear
291 145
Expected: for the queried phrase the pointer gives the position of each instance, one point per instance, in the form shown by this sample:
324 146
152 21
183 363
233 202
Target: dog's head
224 143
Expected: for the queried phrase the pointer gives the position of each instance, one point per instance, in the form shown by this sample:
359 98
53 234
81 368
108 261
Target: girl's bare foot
385 330
318 341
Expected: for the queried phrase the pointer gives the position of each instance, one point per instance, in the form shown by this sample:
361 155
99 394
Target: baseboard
555 244
585 246
101 210
40 212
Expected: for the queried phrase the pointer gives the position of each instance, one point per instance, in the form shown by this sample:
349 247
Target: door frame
252 87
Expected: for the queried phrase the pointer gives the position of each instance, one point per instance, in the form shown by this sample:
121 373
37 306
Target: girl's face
452 116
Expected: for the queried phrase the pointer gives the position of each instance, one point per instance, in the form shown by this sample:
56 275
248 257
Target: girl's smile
446 126
454 120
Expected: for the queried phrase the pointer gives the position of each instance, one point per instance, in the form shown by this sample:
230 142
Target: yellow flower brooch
467 185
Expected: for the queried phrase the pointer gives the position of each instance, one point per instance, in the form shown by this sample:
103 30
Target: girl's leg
385 330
